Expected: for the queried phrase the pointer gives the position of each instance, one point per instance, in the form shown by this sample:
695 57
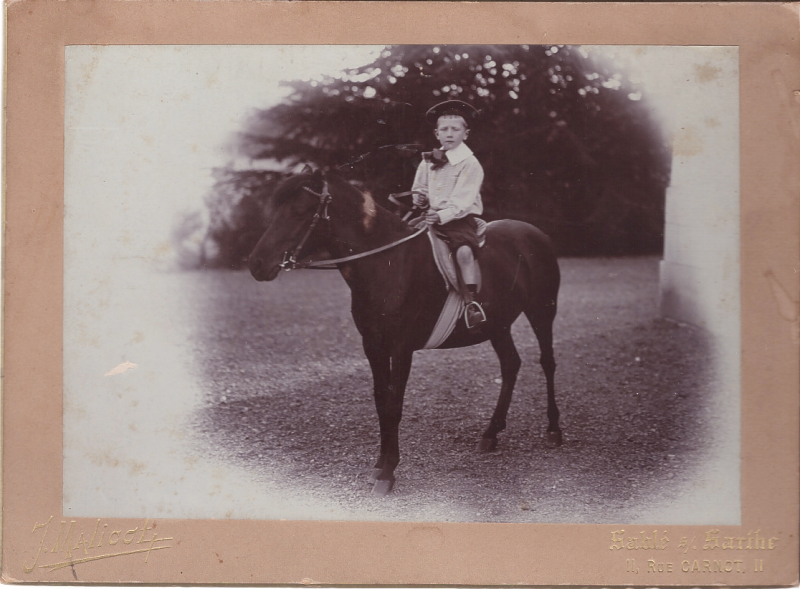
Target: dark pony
398 293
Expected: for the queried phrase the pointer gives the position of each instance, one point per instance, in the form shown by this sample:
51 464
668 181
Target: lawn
288 398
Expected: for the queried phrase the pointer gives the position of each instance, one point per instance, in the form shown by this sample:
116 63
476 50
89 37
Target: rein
290 258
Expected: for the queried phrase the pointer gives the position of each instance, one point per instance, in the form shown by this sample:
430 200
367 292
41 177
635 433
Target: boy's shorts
460 232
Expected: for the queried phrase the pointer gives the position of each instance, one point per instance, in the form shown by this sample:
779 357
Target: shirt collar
459 154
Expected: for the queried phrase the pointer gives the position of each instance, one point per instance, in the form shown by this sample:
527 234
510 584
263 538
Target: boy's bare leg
466 262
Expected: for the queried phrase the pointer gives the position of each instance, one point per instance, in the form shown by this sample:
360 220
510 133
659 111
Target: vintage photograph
417 283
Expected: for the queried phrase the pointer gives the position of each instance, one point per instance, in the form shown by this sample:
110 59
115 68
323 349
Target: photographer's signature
69 544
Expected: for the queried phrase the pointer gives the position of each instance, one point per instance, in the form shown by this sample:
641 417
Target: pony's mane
389 217
288 187
315 181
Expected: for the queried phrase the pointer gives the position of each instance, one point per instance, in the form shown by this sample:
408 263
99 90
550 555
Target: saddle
455 304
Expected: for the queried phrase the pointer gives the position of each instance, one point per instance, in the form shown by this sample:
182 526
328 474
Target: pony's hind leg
543 328
503 345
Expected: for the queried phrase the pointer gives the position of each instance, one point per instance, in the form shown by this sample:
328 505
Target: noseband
290 257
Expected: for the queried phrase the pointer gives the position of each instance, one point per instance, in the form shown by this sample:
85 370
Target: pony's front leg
389 404
380 364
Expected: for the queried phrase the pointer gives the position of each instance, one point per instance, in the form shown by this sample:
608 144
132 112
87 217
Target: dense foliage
566 142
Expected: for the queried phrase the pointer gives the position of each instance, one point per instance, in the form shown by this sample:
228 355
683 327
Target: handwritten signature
104 543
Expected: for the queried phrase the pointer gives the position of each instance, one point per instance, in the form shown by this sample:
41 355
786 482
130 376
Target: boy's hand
432 217
420 200
424 220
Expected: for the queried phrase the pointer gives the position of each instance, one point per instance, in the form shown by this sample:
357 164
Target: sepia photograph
401 293
423 283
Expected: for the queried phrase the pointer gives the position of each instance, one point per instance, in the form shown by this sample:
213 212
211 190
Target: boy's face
451 131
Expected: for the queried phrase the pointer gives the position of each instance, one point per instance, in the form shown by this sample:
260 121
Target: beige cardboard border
371 553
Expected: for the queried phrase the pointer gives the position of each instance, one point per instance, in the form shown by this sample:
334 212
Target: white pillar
699 274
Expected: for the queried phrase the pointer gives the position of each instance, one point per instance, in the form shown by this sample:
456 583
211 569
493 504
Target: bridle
290 257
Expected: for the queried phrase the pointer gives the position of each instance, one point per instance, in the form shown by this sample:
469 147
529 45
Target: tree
566 142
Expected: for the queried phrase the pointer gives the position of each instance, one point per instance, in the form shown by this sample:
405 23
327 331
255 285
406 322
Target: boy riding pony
449 181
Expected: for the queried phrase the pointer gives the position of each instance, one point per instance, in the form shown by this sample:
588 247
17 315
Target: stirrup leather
476 305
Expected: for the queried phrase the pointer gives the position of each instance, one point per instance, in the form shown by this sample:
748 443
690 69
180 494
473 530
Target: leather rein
290 257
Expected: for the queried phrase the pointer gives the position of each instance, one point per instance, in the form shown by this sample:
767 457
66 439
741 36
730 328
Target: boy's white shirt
453 191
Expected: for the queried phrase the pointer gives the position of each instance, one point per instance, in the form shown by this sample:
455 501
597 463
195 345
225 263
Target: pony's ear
306 169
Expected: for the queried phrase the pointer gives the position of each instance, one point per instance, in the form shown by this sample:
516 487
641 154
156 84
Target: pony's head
290 211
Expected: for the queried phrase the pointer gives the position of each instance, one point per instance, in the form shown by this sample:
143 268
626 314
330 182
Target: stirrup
466 316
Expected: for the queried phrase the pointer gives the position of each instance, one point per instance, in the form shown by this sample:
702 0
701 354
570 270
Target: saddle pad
454 305
452 312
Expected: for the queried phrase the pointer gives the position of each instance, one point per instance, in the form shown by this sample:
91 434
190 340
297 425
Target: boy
449 180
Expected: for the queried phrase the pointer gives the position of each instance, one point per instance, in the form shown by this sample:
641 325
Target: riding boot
474 316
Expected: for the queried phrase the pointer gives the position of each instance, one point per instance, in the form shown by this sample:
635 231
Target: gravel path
289 401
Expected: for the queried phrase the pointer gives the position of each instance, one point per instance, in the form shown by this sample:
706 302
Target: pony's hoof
554 439
373 476
487 445
382 488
